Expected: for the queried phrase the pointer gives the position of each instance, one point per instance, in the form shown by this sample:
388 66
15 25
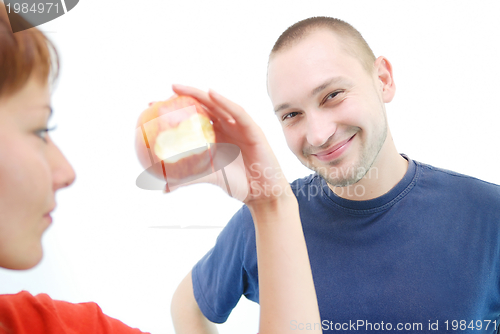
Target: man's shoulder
448 180
455 176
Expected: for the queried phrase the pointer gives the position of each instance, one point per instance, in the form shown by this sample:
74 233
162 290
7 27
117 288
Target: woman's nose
63 173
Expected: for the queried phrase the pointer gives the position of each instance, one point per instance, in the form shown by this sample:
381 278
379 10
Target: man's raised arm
286 288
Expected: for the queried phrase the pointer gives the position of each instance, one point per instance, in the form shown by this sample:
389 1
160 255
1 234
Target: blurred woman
32 170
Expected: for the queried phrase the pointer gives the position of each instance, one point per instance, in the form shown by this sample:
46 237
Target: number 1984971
35 8
463 325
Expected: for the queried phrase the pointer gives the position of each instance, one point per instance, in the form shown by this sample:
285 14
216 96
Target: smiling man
394 244
331 107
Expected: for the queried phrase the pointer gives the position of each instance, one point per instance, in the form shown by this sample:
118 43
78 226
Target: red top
24 313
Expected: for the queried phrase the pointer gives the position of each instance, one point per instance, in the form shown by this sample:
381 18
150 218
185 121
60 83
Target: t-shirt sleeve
228 270
24 313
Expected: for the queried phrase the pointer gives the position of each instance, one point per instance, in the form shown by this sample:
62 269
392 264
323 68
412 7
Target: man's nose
320 127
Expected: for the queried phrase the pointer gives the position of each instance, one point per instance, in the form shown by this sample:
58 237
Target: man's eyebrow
281 107
328 82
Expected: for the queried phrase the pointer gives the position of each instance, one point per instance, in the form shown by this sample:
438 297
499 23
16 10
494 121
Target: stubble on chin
342 174
337 175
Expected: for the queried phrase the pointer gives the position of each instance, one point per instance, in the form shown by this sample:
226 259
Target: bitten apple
172 138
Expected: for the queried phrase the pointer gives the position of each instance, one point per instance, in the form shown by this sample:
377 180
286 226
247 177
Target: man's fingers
231 118
198 94
175 184
233 109
203 97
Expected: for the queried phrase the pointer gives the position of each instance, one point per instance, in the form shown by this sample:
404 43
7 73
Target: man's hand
256 175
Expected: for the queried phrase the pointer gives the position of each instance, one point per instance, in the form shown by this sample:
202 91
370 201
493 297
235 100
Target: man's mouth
335 151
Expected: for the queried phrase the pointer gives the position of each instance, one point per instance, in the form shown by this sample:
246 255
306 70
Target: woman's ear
383 70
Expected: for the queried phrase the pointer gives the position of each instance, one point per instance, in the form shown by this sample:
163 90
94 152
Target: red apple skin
185 167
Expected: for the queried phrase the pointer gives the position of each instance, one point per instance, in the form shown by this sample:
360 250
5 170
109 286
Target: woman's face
32 169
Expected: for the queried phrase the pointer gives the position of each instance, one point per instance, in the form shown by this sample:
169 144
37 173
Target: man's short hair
353 42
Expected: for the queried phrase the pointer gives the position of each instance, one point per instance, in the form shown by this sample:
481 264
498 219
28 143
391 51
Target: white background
119 55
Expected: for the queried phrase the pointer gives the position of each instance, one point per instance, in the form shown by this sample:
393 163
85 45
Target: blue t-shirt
424 256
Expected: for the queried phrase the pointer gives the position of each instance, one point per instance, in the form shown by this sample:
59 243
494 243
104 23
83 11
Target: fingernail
213 92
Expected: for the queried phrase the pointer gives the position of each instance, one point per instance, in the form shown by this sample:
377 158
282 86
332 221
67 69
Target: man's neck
389 168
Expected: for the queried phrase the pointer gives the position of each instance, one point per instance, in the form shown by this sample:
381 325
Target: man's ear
383 70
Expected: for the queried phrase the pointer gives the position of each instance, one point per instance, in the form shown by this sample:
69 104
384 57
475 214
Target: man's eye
331 95
289 115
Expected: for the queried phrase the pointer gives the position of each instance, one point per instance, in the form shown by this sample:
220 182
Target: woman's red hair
24 54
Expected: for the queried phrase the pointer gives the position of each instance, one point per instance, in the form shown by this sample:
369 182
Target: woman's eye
289 115
42 133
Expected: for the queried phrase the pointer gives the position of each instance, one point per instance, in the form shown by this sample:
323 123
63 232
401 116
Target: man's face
330 108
